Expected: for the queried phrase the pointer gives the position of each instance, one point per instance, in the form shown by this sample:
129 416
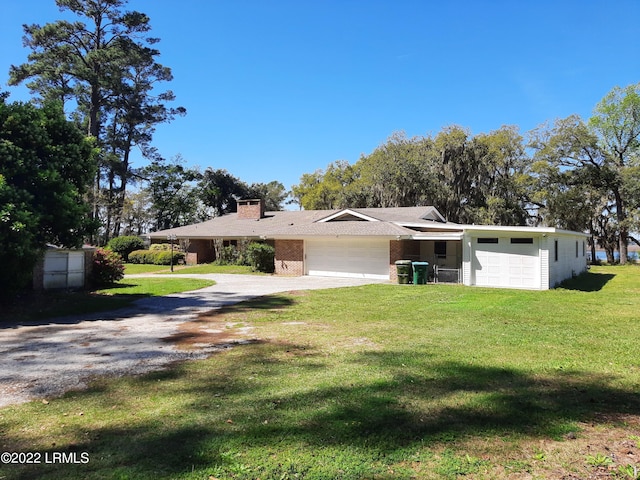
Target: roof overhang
438 236
521 230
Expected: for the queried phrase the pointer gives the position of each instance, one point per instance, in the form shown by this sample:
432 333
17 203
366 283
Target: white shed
63 268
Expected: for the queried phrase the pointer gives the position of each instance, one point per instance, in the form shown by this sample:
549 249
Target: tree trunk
621 216
610 255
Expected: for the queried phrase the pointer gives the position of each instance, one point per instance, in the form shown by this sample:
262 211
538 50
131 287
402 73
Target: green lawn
135 268
376 382
131 269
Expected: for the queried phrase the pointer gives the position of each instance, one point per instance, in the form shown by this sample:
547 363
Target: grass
377 382
39 306
135 268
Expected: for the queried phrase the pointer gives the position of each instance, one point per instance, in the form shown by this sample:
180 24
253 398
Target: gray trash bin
404 270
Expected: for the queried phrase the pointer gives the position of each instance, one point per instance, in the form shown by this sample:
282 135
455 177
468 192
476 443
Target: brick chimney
252 209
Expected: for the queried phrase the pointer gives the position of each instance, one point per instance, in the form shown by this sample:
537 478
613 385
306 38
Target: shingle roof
306 223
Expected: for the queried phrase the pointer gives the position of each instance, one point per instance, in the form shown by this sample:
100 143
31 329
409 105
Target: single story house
366 243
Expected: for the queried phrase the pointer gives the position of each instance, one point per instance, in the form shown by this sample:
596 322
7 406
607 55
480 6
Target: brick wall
200 251
251 209
395 253
289 257
401 250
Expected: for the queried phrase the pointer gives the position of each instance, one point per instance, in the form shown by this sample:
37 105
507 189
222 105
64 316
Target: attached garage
506 262
358 258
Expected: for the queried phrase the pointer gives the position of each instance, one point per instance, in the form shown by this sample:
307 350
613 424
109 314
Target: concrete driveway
45 359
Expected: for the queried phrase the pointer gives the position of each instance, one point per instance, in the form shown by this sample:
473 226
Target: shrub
164 258
107 268
261 257
227 255
141 256
160 247
125 245
155 257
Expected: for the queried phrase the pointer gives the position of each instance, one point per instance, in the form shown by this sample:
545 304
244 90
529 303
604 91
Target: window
576 249
555 250
440 249
583 249
487 240
521 241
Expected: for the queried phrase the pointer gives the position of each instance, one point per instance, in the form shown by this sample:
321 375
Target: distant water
601 255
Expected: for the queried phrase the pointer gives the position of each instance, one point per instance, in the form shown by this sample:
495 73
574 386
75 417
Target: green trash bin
420 270
403 268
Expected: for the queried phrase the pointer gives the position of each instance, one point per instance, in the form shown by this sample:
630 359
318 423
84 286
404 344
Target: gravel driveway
45 359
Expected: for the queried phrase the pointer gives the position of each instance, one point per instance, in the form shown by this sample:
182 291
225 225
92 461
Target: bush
141 256
164 258
261 257
155 257
228 256
107 268
160 247
125 245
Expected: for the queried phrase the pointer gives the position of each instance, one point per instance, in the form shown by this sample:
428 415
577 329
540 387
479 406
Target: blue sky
275 89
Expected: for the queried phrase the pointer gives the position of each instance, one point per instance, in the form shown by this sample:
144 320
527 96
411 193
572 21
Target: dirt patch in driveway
204 333
227 325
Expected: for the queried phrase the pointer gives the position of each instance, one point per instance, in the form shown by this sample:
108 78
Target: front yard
380 382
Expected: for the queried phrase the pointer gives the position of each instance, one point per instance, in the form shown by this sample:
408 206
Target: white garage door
507 264
359 258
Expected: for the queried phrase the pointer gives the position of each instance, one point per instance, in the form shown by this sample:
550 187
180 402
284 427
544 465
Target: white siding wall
466 259
544 262
568 263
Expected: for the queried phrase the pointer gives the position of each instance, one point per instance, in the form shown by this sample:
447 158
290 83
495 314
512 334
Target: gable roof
396 222
348 222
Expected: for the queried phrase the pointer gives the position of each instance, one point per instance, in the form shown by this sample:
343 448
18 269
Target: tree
397 173
570 178
273 193
220 191
107 67
172 191
469 179
326 189
46 166
602 159
500 178
136 213
616 122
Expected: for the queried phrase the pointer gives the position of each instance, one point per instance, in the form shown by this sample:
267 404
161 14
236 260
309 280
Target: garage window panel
522 241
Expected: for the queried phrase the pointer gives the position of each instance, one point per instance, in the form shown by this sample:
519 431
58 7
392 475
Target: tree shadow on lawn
588 282
375 418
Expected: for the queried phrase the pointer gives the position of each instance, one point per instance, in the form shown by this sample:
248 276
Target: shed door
506 264
63 269
359 258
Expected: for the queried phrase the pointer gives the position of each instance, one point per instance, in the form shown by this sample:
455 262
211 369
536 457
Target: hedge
155 257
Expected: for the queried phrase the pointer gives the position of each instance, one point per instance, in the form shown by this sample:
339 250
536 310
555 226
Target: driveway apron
45 359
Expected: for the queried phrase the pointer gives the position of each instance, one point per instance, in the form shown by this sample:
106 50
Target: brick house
366 242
